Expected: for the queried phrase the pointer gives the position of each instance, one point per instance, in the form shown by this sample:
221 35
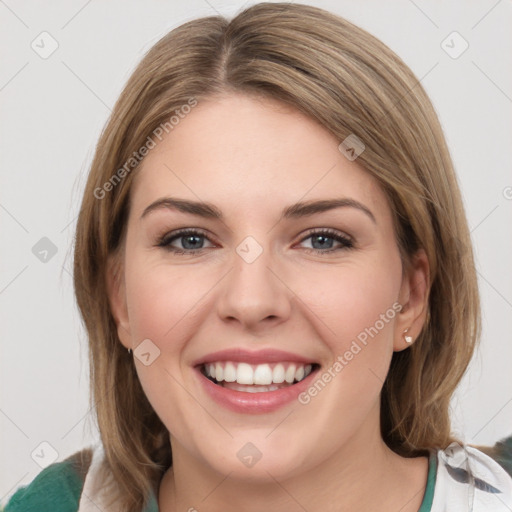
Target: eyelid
330 231
168 236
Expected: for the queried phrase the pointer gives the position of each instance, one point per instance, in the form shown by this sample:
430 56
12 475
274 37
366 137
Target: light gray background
52 112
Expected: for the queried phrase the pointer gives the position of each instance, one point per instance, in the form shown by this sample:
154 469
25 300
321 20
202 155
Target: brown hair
351 83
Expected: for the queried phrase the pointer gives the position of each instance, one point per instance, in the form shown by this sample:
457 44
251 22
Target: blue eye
192 241
323 239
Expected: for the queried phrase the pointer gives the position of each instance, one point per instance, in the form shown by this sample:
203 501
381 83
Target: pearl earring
408 339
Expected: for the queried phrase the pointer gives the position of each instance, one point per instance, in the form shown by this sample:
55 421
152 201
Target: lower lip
254 403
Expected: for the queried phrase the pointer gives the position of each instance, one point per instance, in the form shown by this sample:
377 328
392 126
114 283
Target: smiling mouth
256 378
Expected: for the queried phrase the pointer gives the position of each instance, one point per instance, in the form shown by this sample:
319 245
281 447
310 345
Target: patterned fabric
460 479
468 480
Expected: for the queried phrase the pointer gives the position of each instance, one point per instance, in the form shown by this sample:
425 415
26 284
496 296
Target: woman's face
271 286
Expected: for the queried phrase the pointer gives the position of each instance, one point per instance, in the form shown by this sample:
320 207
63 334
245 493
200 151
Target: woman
274 268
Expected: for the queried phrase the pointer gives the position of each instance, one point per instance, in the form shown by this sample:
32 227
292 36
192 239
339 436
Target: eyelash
165 241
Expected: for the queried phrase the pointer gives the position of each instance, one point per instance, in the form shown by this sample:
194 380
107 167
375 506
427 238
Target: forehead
242 151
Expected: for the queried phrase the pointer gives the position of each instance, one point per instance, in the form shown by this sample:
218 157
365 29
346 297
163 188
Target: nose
253 293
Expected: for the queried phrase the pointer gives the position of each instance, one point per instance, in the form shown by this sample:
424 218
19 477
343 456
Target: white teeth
230 372
219 372
263 374
278 374
289 376
244 374
257 375
252 389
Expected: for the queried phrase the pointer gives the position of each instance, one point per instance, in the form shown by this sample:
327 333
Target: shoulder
56 488
468 479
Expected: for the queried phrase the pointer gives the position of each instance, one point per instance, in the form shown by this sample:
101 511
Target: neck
363 476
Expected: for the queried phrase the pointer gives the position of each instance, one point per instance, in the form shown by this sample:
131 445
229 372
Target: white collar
94 492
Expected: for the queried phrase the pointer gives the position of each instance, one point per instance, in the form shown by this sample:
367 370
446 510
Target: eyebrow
294 211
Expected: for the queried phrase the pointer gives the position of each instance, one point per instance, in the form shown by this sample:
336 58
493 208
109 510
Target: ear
116 291
414 295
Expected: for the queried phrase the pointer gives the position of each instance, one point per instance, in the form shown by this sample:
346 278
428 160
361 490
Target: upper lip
252 357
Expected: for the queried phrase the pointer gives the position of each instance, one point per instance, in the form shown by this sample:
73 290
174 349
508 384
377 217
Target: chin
258 461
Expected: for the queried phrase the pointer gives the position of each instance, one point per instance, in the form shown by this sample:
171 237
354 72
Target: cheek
164 302
355 306
161 301
357 302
